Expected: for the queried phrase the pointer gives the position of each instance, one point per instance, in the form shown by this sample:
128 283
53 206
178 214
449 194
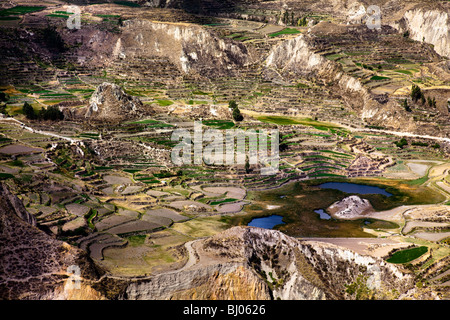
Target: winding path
23 126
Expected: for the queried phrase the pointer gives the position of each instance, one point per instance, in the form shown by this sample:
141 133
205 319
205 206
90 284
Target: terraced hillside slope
89 119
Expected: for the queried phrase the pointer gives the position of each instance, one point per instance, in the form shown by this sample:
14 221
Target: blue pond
354 188
266 222
323 215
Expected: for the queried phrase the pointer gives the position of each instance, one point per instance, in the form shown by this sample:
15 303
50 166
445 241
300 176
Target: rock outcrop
350 208
431 26
109 103
34 265
191 48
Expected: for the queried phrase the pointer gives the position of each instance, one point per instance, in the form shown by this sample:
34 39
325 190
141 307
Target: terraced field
111 187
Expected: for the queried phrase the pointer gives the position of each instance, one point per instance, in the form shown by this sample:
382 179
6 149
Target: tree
28 111
3 97
302 22
247 165
403 142
436 145
406 106
232 104
51 113
237 116
281 144
3 109
416 93
286 17
431 102
422 100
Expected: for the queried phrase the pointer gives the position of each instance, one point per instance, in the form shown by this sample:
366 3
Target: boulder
350 208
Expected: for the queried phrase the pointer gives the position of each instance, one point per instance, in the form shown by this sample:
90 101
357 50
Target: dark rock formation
110 104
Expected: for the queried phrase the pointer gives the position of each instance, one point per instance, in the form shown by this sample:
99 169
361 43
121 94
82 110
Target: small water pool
354 188
266 222
322 214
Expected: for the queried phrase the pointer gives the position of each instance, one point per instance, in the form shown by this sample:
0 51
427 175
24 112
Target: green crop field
407 255
284 31
219 124
19 10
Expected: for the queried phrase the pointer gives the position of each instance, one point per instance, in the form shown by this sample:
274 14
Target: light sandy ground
131 189
412 224
157 194
270 28
182 204
77 209
411 212
134 226
418 168
129 213
231 192
432 236
444 186
166 213
439 170
231 207
395 214
23 126
112 221
441 276
9 170
376 247
74 224
108 191
110 179
15 149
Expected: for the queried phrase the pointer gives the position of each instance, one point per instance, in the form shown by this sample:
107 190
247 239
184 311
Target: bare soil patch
15 149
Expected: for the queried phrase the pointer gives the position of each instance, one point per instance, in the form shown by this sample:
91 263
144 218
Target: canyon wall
189 47
254 263
431 26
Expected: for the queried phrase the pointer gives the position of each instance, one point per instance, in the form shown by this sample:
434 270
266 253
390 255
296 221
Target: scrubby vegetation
50 113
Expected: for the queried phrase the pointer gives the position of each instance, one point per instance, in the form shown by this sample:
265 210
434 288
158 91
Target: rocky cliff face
431 26
34 265
189 47
216 281
254 263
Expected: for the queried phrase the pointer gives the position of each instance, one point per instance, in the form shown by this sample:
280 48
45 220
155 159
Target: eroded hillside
87 123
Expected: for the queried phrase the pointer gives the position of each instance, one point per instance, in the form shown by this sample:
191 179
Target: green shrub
403 142
28 111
